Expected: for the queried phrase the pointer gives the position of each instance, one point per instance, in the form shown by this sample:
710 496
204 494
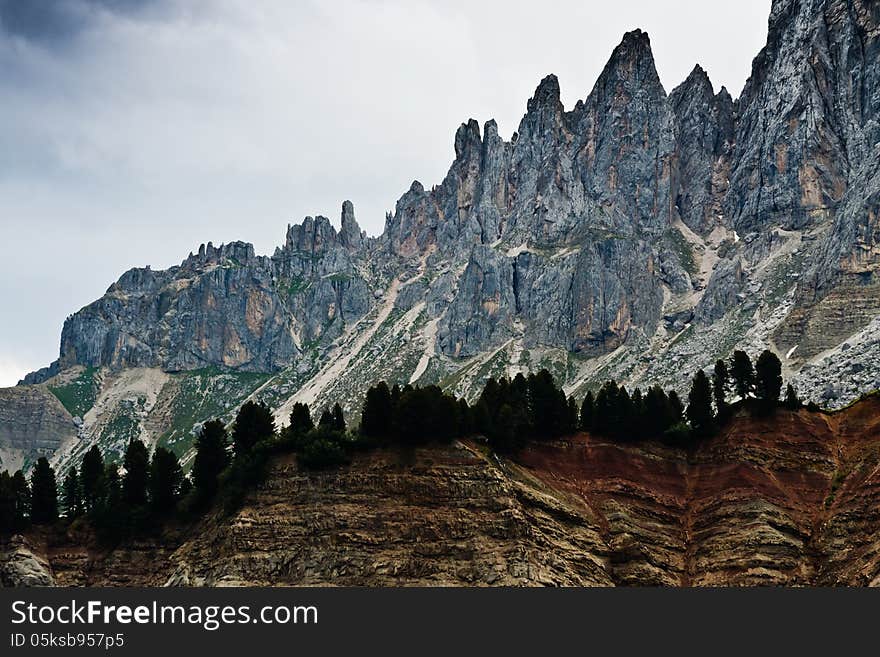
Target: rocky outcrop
590 187
227 307
788 500
556 234
20 567
559 237
33 423
807 118
767 502
704 130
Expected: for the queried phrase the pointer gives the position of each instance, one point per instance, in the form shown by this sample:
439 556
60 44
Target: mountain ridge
638 236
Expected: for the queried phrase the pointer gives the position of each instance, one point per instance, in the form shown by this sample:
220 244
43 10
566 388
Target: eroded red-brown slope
793 499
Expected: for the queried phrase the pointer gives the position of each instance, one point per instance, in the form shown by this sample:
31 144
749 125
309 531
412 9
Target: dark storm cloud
55 22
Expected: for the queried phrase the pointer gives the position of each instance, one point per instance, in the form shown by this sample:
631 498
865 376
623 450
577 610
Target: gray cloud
56 22
133 131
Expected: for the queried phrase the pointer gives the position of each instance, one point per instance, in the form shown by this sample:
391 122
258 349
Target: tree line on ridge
146 488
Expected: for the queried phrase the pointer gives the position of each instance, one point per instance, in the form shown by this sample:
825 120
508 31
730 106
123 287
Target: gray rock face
20 567
556 228
607 225
225 306
808 113
808 155
33 423
704 128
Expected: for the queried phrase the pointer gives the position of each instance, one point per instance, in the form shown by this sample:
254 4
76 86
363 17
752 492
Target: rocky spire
696 83
704 132
313 235
546 96
625 139
630 66
350 234
539 129
467 139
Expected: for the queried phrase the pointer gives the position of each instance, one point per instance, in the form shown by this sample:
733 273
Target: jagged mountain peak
547 95
318 232
632 65
350 233
467 136
697 81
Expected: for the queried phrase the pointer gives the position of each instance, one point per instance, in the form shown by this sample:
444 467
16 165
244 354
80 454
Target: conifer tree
326 420
211 458
424 415
720 377
743 374
768 379
676 409
112 486
491 396
792 402
21 492
587 410
70 494
338 418
573 415
482 418
548 412
639 425
166 477
44 493
623 415
505 438
300 419
7 504
111 516
605 419
14 502
699 410
92 478
658 411
518 391
376 416
137 473
254 423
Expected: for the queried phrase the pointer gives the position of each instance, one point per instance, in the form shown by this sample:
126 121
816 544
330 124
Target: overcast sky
134 130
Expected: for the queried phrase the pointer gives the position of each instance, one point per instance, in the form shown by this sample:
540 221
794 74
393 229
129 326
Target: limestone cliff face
592 186
227 307
792 500
33 423
807 156
807 118
704 128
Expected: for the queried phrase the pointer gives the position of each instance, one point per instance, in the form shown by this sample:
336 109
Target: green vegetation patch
683 251
78 396
204 395
294 285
